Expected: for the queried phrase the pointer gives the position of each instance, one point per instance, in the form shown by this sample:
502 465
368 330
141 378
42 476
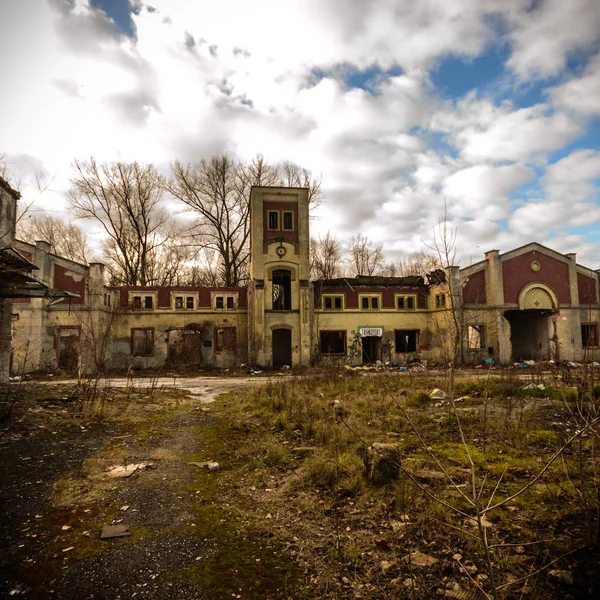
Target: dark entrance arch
282 347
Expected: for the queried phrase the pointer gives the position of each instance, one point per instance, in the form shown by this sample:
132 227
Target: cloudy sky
490 105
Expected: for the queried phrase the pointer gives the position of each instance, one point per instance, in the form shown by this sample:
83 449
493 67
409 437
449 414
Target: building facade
530 303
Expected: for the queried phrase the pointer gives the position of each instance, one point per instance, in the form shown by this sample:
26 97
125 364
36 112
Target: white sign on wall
370 331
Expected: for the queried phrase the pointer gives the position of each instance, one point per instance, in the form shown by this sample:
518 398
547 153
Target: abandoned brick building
529 303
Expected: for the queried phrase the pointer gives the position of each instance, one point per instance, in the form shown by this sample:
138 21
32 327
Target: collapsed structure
529 303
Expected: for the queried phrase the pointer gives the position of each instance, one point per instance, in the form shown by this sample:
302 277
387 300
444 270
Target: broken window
178 302
288 220
142 341
282 289
333 343
137 302
369 302
406 302
148 302
225 339
332 303
476 339
440 300
189 302
407 340
219 302
589 335
273 220
230 303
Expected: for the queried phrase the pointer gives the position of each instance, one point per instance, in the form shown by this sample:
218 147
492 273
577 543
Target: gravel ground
35 561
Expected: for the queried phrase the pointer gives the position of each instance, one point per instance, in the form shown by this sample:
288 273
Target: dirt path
204 388
56 498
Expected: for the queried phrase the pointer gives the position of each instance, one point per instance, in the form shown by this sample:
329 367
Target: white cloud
581 94
544 36
202 78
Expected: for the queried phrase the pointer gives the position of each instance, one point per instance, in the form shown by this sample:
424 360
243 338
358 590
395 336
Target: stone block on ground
382 462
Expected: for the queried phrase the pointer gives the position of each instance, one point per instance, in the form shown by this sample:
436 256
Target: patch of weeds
419 399
277 455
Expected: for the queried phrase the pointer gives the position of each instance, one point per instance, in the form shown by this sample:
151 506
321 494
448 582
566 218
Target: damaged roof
374 281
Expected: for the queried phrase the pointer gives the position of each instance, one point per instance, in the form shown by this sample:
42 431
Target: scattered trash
285 367
126 470
437 394
213 466
126 507
488 361
114 531
68 549
201 465
533 386
66 527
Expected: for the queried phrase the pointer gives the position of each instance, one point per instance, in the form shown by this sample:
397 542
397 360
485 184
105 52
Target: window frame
377 296
143 296
327 331
417 333
333 298
593 324
224 296
132 341
440 300
277 213
405 297
291 213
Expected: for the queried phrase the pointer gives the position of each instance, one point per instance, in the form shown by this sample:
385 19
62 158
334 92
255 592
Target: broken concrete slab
114 531
126 470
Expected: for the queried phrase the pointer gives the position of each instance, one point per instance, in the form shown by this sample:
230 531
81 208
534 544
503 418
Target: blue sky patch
119 11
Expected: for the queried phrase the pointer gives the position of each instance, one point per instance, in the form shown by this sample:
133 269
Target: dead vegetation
497 495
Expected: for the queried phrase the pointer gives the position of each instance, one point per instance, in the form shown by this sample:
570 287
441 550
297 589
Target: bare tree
366 257
125 199
65 239
417 263
293 175
218 190
325 257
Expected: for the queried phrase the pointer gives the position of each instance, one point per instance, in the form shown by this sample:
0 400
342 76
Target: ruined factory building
529 303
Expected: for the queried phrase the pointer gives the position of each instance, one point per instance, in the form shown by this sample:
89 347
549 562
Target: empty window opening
476 339
148 302
407 340
369 302
440 300
589 335
219 302
288 220
332 303
225 339
137 302
178 302
333 343
230 303
406 303
142 341
189 302
282 289
273 220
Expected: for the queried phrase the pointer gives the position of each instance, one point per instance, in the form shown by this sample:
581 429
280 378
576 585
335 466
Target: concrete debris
437 394
419 559
201 465
126 470
382 462
114 531
213 466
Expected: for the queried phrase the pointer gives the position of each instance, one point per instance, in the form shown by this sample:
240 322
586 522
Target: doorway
282 289
529 334
68 348
282 347
371 349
